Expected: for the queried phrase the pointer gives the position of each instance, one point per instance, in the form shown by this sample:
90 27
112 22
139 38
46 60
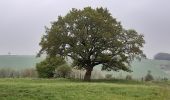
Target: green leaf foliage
63 71
92 37
47 67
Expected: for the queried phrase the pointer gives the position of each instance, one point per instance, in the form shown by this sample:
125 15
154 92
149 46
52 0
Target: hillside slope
140 69
18 61
158 68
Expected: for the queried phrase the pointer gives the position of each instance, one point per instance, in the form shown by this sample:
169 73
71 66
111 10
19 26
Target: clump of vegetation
162 56
46 68
149 76
29 72
13 73
128 77
165 79
63 71
8 73
108 76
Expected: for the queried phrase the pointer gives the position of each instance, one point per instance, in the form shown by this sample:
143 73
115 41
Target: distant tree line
162 56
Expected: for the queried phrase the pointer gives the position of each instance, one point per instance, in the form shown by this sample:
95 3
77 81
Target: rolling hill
18 61
158 68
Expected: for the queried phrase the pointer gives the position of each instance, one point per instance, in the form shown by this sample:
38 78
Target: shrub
8 73
108 76
165 79
31 72
128 77
47 67
13 73
63 71
149 76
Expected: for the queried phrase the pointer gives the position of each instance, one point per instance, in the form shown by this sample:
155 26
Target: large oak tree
92 37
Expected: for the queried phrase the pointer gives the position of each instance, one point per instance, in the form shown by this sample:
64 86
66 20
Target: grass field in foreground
63 89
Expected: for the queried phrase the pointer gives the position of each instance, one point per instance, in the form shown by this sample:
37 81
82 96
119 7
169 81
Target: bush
47 67
63 71
165 79
9 73
149 76
108 76
128 77
13 73
31 72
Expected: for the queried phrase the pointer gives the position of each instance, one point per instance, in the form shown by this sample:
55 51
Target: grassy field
63 89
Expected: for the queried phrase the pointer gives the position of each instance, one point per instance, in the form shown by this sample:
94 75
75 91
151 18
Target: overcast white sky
22 21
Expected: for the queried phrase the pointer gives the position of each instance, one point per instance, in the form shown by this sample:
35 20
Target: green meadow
65 89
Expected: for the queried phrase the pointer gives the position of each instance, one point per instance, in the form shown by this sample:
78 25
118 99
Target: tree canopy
92 37
162 56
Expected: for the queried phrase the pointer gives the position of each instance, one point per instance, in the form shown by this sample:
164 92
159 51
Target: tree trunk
87 76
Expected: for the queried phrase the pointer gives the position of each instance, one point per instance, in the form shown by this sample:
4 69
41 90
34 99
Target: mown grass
63 89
